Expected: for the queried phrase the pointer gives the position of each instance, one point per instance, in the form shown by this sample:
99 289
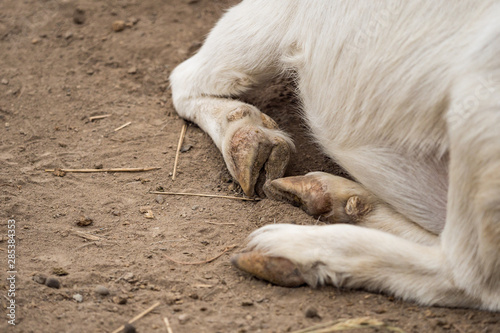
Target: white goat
405 95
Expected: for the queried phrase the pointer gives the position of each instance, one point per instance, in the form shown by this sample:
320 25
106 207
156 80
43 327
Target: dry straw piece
99 117
122 126
221 223
205 195
103 170
139 316
227 249
167 324
351 324
87 236
179 145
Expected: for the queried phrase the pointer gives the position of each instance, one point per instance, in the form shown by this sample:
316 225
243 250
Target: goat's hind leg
471 238
237 54
339 200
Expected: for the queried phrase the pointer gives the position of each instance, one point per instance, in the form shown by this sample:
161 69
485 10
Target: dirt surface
58 67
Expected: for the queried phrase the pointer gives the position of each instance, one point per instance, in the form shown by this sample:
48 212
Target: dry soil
59 67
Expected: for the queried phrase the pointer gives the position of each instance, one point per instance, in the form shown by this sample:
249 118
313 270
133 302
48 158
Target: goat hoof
307 192
279 271
258 158
334 199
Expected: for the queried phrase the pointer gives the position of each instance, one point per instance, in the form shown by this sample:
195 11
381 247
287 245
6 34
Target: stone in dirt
79 16
159 199
59 271
186 148
53 283
183 318
312 312
118 25
78 298
120 300
84 221
102 290
39 278
247 302
147 212
129 328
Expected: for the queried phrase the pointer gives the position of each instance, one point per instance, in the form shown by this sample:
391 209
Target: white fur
405 95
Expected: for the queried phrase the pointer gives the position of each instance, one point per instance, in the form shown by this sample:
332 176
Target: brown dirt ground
54 75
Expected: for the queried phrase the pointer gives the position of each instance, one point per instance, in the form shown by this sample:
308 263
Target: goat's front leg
254 149
353 257
238 53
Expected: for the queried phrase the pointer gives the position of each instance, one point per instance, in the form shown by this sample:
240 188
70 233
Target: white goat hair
405 96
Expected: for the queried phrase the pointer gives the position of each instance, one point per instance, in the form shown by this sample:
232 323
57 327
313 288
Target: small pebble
120 300
312 313
186 148
132 70
35 41
68 35
5 82
78 298
79 16
183 318
118 25
129 328
247 303
102 290
39 278
195 207
84 221
53 283
159 199
59 271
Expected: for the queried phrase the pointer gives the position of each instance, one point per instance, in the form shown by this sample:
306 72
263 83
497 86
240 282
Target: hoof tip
279 271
